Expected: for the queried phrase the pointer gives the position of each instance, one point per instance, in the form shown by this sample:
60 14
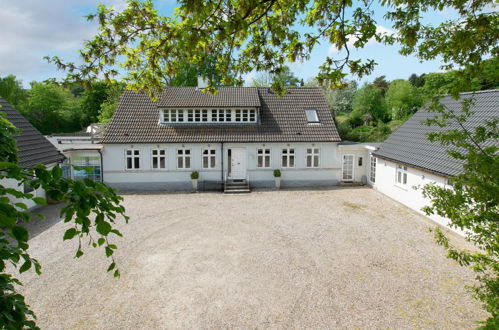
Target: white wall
172 178
408 194
357 151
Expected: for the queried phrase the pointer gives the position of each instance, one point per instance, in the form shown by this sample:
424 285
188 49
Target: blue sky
31 29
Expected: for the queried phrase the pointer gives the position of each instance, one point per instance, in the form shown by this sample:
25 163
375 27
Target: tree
91 101
402 99
381 83
91 207
52 108
369 104
472 203
417 81
340 100
12 90
286 78
108 107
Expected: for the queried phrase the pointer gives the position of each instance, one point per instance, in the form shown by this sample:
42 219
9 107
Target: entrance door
347 168
237 164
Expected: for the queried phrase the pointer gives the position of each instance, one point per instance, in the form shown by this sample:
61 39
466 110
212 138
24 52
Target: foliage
369 104
12 91
90 207
472 203
402 99
340 100
108 107
91 101
417 81
195 175
382 84
52 108
277 173
285 78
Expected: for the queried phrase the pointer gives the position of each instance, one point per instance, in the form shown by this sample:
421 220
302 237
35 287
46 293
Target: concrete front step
236 187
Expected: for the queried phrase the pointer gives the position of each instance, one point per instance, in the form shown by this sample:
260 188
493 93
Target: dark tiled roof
282 120
409 145
194 97
33 147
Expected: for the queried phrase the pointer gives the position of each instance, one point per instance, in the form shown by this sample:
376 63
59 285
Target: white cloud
350 43
32 29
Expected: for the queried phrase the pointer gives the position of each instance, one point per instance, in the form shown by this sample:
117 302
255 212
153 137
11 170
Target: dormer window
312 117
209 116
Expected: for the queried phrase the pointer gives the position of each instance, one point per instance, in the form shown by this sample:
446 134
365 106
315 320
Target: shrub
277 173
195 175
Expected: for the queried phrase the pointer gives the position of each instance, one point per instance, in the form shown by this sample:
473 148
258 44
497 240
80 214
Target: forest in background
367 113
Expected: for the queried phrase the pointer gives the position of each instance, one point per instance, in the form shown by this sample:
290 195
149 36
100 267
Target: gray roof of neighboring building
194 97
33 147
282 119
409 145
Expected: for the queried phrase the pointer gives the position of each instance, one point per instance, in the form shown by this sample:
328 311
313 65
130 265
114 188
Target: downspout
222 144
101 167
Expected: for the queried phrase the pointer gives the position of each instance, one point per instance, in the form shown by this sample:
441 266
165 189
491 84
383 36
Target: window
360 161
87 167
190 115
228 115
238 115
252 115
209 158
204 116
132 159
158 158
401 174
372 172
312 157
263 158
288 157
197 115
312 116
244 115
184 158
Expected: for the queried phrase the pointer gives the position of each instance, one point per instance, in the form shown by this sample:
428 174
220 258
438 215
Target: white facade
408 193
116 173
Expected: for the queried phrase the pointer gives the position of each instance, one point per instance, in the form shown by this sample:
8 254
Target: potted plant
277 178
194 178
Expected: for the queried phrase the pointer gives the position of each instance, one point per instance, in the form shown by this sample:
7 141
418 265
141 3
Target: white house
240 134
407 161
34 149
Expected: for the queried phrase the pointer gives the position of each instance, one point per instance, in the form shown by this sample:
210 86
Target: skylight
311 116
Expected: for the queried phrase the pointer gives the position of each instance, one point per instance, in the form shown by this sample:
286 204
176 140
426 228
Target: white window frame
183 156
196 115
372 169
209 156
343 168
263 154
401 176
287 154
311 152
158 156
132 156
313 114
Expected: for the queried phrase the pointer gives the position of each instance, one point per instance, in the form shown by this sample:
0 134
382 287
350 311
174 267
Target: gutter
101 166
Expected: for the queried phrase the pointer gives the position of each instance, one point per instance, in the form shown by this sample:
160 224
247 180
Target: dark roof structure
193 97
33 147
282 119
409 145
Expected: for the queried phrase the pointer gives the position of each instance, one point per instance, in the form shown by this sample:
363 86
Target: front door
237 164
347 168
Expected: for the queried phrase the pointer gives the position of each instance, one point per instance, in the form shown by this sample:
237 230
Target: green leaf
70 233
26 265
21 206
116 273
109 252
39 200
111 267
103 228
79 253
20 233
101 241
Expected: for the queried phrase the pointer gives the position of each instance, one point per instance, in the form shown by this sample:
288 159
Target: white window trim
312 154
209 156
402 171
133 161
263 155
158 156
288 156
183 156
343 166
371 158
316 116
213 115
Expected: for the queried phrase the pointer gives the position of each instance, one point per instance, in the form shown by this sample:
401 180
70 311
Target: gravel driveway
341 258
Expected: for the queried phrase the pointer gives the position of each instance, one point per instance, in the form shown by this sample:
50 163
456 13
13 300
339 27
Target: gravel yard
340 258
